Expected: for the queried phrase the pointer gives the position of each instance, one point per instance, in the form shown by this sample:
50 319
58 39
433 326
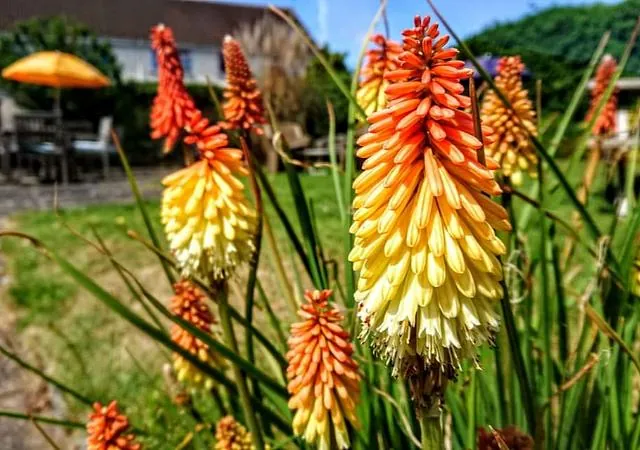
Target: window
185 58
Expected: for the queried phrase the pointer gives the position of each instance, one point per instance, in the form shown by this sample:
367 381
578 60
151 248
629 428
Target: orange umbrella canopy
56 69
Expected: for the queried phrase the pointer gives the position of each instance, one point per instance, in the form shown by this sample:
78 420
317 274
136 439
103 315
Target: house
199 27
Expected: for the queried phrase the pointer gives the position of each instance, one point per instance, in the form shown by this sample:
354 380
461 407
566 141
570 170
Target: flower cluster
323 377
511 436
107 429
230 435
605 123
209 222
243 108
379 60
189 303
425 241
172 105
511 145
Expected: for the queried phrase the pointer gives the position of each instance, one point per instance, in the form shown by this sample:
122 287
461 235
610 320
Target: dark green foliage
556 44
319 89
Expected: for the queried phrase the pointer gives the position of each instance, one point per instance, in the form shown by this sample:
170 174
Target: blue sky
343 23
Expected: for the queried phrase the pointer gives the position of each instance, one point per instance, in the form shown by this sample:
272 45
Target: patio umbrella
58 70
55 69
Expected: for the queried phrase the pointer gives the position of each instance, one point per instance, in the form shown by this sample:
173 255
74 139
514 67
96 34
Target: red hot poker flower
323 377
243 108
606 121
380 59
172 105
107 429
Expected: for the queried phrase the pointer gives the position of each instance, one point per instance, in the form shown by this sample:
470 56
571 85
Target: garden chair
99 147
40 146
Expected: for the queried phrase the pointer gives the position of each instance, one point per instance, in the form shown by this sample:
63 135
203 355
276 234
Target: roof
193 21
624 84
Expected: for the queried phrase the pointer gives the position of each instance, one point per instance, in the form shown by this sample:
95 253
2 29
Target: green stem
431 430
238 374
276 260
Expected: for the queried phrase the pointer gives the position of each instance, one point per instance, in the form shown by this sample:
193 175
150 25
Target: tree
557 43
64 34
319 87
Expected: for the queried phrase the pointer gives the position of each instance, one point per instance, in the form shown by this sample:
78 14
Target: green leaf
140 203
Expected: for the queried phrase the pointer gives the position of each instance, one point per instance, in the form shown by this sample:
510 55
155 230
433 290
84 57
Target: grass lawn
87 346
90 348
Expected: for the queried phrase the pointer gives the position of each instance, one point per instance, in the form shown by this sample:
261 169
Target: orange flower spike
172 104
189 303
511 145
243 108
379 60
107 429
425 244
323 377
208 220
606 121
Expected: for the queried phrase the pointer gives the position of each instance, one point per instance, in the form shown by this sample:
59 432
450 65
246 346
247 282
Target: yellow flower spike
230 435
511 145
425 243
380 59
323 377
189 304
208 220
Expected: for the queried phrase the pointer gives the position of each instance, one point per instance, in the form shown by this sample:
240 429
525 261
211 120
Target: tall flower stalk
424 225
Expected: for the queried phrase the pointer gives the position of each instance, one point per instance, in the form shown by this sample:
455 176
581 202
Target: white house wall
135 57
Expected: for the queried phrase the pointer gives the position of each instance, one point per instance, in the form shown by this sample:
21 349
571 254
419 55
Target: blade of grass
562 320
309 237
275 322
334 164
547 318
606 329
569 113
286 223
235 315
238 374
140 203
631 166
63 387
124 312
42 419
45 435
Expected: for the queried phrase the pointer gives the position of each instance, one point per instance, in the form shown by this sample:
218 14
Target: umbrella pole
64 163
